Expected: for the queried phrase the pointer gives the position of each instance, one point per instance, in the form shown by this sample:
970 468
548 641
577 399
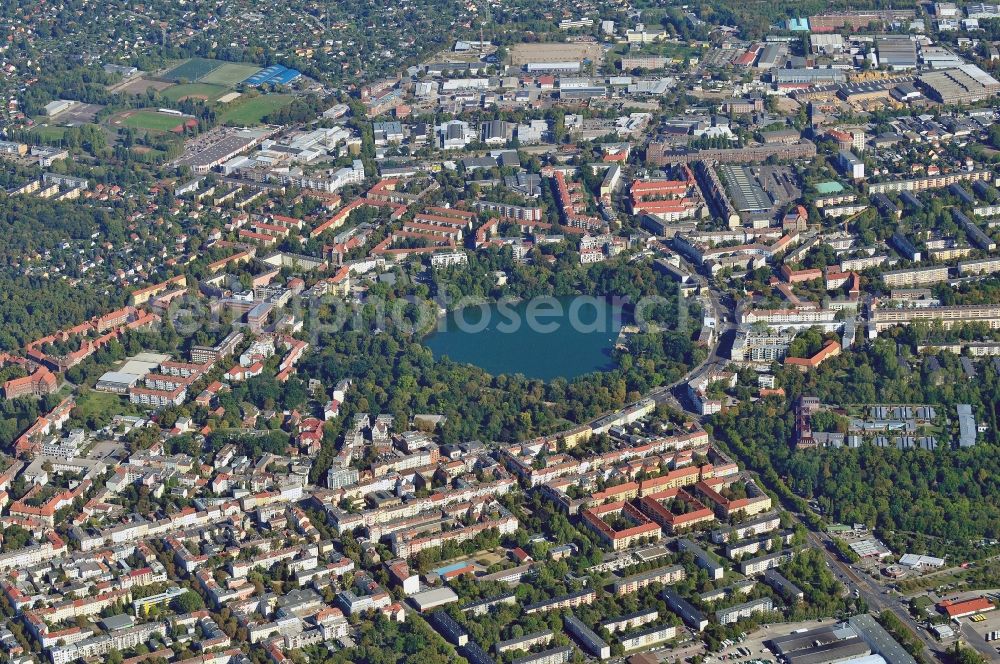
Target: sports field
253 110
49 134
229 74
196 90
192 70
149 120
139 86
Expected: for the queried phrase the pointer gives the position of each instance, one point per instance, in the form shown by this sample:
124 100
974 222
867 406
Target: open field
48 133
91 403
229 74
192 70
196 90
139 86
150 121
251 111
522 54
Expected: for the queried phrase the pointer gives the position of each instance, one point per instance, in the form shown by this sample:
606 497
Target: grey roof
566 653
966 425
880 640
119 621
510 643
782 585
690 615
830 652
701 557
591 642
475 654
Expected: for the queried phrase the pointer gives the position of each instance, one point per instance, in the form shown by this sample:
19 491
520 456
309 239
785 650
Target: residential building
746 610
591 643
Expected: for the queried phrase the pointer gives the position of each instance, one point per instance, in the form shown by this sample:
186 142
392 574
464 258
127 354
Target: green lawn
200 90
50 134
150 121
252 110
230 74
90 402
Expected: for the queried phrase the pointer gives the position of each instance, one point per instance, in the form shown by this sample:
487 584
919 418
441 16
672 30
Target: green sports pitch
229 74
211 72
251 111
191 70
150 121
202 91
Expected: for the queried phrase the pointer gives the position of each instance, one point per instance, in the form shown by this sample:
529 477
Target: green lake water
531 337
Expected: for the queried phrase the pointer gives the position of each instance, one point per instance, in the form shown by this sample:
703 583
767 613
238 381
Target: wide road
725 323
875 595
973 638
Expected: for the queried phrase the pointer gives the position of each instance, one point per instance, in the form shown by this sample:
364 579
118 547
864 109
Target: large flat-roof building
526 642
920 276
702 558
879 640
962 85
579 598
885 317
432 599
858 20
829 643
898 52
809 76
744 190
647 636
635 582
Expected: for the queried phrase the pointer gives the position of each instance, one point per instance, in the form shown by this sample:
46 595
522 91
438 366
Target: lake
542 338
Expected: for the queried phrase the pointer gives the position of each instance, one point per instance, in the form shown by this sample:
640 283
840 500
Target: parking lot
754 643
77 115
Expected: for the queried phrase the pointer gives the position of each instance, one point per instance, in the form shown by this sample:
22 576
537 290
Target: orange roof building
955 610
831 349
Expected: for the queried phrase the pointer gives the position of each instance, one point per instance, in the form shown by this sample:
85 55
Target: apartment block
636 582
920 276
763 563
883 318
746 610
620 524
570 601
645 638
930 182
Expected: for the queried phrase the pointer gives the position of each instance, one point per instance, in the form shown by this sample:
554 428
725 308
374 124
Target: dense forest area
938 501
889 371
33 305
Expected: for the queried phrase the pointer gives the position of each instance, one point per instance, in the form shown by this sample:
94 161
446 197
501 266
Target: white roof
826 39
914 560
434 597
119 377
978 75
867 659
